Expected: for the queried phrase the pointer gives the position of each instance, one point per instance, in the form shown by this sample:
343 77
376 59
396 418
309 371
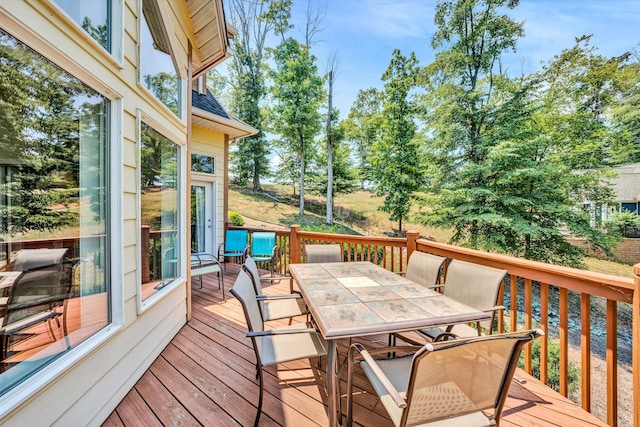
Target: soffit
210 33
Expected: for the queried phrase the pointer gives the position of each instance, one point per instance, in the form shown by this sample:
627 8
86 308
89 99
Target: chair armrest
494 308
437 285
272 332
375 369
277 297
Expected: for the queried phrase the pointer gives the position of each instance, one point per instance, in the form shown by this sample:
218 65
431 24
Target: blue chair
263 248
234 246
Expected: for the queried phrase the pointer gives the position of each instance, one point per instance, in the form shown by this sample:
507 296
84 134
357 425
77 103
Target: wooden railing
529 278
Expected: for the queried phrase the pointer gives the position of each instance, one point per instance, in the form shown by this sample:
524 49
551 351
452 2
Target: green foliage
297 93
553 366
165 87
236 219
394 155
625 224
362 127
503 152
41 109
255 20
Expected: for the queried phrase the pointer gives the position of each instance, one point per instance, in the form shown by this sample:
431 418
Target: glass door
202 217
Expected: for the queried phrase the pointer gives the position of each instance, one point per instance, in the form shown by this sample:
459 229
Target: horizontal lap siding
90 387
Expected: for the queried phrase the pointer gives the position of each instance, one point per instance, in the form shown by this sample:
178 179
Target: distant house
113 166
626 190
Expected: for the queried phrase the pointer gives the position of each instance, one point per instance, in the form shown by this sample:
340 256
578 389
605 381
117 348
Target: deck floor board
206 376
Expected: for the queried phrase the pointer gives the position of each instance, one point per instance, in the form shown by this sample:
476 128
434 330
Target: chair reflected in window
37 296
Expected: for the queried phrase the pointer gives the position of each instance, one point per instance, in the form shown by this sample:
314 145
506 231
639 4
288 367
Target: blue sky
363 34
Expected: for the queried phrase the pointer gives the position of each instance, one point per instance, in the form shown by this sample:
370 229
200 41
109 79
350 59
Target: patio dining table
352 299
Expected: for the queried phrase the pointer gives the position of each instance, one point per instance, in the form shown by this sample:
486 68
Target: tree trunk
302 186
329 209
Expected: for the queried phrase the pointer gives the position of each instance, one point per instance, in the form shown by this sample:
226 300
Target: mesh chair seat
323 253
424 268
463 382
278 345
476 286
281 306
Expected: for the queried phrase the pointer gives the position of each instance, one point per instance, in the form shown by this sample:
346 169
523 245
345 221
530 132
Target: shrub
236 219
625 224
553 366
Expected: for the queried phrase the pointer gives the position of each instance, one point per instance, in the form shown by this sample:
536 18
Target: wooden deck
206 376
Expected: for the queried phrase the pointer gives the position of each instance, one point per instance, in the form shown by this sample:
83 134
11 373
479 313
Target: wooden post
145 258
636 347
294 244
412 236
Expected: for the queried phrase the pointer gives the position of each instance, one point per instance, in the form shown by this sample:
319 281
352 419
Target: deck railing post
636 347
294 245
412 237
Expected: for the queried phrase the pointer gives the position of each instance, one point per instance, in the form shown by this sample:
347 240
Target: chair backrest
474 285
454 378
45 282
262 243
323 253
251 268
235 241
245 293
424 268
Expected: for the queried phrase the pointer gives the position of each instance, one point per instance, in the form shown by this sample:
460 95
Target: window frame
181 115
41 379
116 32
142 117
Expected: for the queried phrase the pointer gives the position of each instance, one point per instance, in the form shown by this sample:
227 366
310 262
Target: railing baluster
564 342
513 282
612 363
544 325
501 312
585 345
527 322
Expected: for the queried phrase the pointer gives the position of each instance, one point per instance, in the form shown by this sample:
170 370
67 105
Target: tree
332 68
297 92
362 127
344 178
394 156
500 180
255 21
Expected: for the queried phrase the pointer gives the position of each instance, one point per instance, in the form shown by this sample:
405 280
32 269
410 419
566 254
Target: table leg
333 392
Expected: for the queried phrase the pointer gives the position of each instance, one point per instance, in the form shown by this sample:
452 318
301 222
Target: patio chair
273 307
271 347
204 263
476 286
234 246
264 249
39 293
323 253
424 268
450 383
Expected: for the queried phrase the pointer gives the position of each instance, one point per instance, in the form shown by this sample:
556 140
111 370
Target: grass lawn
357 211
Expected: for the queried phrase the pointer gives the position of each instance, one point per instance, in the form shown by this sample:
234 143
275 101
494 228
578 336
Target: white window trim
183 84
141 117
24 391
116 56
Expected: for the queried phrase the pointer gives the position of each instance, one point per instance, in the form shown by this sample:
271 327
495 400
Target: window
159 197
157 70
54 223
630 207
94 16
203 164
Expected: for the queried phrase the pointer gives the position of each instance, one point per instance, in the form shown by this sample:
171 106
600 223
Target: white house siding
85 386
